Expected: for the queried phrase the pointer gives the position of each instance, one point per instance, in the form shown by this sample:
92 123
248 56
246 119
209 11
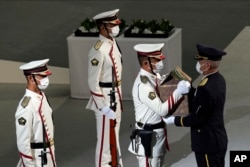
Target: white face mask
158 67
44 83
198 67
114 31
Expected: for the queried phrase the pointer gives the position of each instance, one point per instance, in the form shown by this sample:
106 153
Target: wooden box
166 90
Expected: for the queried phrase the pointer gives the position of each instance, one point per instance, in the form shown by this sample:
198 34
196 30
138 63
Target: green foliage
153 26
140 24
88 24
166 26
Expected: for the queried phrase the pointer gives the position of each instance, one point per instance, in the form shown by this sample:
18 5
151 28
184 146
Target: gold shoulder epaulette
203 82
144 79
25 101
98 44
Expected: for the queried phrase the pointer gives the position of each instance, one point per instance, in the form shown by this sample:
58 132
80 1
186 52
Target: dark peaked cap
208 53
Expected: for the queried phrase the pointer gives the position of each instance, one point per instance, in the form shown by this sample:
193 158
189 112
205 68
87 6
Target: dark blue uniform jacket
208 134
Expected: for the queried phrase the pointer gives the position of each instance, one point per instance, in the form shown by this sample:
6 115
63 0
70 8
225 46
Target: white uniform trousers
152 162
37 159
103 156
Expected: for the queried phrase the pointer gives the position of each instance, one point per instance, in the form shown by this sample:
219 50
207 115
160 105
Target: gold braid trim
178 74
207 162
181 121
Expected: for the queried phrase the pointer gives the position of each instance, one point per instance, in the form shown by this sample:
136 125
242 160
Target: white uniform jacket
32 113
149 109
102 57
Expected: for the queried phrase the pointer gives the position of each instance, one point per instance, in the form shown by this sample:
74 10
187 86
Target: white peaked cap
36 67
150 50
108 17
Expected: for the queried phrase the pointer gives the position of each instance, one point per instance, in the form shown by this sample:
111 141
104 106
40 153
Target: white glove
169 120
108 112
183 87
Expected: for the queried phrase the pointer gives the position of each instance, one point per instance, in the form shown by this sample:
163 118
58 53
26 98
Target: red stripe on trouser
167 145
101 148
52 157
170 105
26 156
147 165
120 98
23 163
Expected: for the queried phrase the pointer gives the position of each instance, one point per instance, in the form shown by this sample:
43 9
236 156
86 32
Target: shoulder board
144 79
203 82
98 44
25 101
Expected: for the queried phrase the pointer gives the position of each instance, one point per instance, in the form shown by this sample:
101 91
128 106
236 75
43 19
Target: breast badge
152 95
94 62
22 121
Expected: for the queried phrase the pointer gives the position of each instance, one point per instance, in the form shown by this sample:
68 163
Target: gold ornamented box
169 85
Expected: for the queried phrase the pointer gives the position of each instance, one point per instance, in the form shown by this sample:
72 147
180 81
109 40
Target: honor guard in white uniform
105 71
33 119
149 138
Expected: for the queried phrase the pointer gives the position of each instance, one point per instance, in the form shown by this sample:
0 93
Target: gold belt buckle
118 83
51 142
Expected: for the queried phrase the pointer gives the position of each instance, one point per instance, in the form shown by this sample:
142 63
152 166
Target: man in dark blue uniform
208 133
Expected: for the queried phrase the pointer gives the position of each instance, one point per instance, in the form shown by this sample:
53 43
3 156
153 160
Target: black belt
41 145
109 84
151 126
